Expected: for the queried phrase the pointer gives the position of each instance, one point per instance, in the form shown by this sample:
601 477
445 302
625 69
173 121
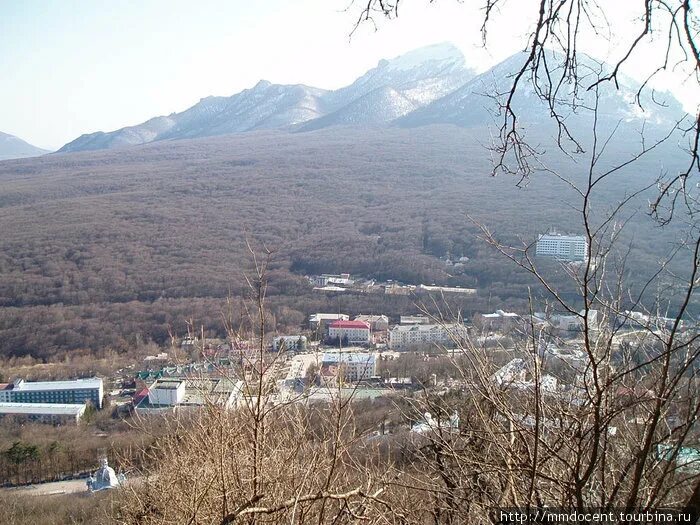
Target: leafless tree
615 431
266 460
620 434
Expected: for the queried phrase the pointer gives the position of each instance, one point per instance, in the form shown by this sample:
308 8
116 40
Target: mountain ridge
12 147
425 86
407 82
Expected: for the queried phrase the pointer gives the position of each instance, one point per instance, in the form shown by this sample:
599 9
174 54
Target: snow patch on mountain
444 53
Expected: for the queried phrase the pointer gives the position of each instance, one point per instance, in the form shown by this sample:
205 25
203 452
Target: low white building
191 392
166 392
326 279
290 342
414 319
498 319
399 289
447 289
409 336
47 412
637 320
354 332
573 322
562 247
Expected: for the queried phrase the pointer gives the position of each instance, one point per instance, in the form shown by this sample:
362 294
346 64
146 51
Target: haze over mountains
430 85
12 147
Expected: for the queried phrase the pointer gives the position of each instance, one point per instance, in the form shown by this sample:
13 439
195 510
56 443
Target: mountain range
430 85
12 147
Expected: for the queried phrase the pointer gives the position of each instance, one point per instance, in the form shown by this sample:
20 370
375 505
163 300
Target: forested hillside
103 248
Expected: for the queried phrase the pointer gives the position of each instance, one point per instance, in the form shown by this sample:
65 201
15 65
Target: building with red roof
353 332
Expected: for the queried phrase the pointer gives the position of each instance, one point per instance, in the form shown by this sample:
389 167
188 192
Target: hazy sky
73 67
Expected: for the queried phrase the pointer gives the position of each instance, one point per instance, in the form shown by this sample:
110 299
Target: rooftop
452 289
348 357
167 384
26 386
199 391
371 318
500 313
41 409
420 327
327 317
349 324
562 237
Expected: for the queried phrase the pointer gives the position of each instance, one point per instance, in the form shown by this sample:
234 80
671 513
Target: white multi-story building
351 366
73 392
407 336
356 332
562 247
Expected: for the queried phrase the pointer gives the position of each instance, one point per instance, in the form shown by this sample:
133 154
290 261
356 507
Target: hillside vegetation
104 248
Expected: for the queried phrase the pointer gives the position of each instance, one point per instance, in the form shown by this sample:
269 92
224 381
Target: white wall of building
565 247
167 393
406 336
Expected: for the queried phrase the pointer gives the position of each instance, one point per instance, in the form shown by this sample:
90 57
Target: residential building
636 320
289 342
75 392
414 319
319 322
377 323
404 337
326 279
562 247
179 392
166 392
573 322
351 366
55 413
352 332
447 289
498 320
399 289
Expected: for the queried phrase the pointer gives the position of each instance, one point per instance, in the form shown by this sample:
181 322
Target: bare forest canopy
104 249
